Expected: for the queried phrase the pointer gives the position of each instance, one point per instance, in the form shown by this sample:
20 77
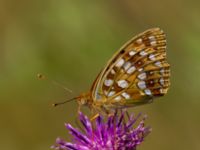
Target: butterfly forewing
136 73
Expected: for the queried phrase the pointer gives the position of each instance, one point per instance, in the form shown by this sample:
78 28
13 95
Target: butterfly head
84 99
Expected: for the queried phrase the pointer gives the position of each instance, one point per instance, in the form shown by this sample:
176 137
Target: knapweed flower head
117 132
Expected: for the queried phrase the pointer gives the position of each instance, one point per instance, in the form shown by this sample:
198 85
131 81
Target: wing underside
138 72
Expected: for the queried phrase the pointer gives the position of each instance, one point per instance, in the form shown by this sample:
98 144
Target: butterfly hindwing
136 73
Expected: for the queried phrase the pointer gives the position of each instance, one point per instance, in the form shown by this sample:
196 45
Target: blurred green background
70 41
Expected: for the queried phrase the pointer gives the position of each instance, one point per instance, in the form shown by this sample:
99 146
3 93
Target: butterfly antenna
61 103
42 77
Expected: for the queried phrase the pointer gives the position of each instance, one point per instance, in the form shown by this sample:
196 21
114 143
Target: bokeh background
69 41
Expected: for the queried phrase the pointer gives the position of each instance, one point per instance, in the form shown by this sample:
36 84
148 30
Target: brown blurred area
69 42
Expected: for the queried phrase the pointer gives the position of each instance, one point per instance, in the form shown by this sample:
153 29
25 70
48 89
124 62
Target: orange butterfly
136 74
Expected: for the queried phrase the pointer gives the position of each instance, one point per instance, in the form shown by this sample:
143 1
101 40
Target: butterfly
136 74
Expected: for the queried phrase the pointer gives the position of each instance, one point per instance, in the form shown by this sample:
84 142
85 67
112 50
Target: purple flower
117 132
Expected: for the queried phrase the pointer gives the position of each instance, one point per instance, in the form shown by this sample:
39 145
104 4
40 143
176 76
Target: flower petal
114 134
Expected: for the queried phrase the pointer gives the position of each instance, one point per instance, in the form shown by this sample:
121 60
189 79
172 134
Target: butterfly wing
137 73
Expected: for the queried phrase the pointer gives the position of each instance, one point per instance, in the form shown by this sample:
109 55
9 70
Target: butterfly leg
127 114
99 110
109 112
94 113
106 113
94 117
79 108
77 117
